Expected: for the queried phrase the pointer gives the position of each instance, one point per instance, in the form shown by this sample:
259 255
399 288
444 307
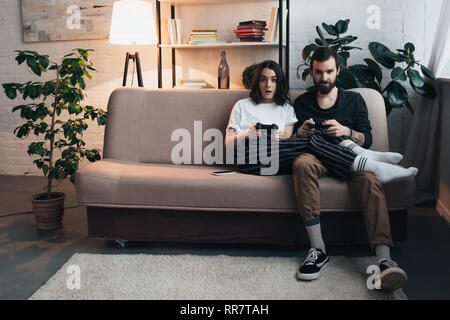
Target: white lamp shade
132 22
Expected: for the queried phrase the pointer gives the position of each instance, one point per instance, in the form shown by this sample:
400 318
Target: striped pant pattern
337 159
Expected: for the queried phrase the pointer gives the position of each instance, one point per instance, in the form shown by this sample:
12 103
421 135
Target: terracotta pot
48 214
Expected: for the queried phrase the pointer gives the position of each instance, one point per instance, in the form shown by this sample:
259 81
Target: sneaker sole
393 279
311 276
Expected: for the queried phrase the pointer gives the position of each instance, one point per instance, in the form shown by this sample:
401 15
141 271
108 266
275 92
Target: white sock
384 172
315 236
388 157
383 252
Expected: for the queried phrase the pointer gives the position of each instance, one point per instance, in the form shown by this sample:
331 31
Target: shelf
220 45
195 2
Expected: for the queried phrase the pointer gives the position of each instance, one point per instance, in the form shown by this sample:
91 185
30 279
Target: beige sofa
136 193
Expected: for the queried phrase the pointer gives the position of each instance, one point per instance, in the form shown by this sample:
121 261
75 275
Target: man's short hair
323 54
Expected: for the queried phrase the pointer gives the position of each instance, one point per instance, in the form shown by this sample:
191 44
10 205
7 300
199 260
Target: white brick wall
108 60
401 21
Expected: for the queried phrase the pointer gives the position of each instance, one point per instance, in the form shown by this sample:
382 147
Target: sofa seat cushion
110 182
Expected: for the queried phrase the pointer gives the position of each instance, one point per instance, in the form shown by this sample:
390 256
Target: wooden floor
29 257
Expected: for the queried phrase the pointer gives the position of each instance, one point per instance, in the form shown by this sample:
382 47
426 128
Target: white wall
402 21
108 60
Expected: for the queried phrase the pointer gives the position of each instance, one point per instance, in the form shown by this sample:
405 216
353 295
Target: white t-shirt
246 113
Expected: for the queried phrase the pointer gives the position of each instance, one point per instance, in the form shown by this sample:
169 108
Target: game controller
269 127
318 125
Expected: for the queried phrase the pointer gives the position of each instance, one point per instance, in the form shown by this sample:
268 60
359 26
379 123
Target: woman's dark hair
282 91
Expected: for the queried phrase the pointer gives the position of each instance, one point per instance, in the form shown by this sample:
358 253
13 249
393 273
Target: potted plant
247 75
369 75
56 117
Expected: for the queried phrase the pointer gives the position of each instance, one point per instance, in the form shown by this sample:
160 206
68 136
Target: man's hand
305 129
335 129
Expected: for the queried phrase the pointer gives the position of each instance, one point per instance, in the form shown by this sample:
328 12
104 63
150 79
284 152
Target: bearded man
342 116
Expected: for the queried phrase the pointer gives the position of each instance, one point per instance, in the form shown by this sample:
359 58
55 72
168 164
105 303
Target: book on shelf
207 42
178 30
198 36
251 30
272 22
256 22
273 33
204 30
192 84
249 33
171 31
165 31
196 39
192 80
251 39
248 30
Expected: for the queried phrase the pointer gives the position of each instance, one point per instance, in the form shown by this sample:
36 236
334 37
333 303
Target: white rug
204 277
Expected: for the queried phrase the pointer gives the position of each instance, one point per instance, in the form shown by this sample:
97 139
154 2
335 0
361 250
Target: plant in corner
247 75
60 145
370 75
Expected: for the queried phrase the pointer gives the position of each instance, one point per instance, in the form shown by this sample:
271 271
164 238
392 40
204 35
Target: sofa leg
121 243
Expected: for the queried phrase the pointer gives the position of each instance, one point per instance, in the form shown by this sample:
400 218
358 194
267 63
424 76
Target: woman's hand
279 135
253 133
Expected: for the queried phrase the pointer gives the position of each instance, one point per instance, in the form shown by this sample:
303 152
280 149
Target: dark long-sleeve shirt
350 110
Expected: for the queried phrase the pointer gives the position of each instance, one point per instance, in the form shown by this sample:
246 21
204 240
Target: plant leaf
375 68
381 55
341 26
397 94
426 72
398 74
409 47
346 80
415 78
329 28
362 73
387 106
305 74
397 57
426 90
319 32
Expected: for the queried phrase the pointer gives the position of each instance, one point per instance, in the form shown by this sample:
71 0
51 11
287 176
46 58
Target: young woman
269 104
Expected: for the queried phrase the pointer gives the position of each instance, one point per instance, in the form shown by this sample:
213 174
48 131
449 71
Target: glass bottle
223 73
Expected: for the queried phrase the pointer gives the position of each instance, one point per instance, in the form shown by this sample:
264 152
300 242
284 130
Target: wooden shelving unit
220 45
200 2
282 42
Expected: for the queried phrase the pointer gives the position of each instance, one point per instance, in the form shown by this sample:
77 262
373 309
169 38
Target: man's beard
325 89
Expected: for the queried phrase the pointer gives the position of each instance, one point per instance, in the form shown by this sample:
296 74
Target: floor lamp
132 23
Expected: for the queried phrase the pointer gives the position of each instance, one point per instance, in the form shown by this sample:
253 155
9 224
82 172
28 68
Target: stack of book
204 36
192 84
252 30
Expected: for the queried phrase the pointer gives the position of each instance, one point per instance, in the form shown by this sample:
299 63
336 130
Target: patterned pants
337 159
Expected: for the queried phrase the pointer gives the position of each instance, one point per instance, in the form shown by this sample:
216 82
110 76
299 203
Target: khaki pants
306 171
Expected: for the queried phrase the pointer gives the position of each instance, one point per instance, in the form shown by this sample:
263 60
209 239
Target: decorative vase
48 213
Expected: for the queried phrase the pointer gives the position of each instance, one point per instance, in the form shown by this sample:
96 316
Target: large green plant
46 119
369 75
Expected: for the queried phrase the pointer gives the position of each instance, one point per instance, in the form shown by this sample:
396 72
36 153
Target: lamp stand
137 62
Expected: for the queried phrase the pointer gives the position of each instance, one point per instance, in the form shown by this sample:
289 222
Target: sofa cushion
117 183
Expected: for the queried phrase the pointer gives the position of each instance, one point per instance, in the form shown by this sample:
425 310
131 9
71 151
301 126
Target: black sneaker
310 268
392 277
